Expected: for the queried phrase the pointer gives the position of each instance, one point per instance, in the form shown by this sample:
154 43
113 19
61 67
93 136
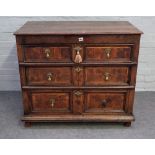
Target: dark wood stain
101 88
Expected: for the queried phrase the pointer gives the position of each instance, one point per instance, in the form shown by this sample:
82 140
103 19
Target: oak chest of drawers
78 71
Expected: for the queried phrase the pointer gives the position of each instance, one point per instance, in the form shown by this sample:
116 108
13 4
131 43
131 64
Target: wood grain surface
77 27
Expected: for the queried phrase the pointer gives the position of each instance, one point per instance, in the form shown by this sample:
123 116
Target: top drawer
67 53
77 39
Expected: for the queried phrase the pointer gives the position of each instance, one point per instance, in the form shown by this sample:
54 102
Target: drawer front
105 102
77 39
47 54
102 53
50 102
106 76
54 76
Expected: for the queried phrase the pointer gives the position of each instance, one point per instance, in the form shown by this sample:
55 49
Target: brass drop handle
52 102
78 93
108 51
107 76
47 52
49 76
104 102
78 58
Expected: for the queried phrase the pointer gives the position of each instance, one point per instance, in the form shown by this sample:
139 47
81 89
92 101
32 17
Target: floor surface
12 128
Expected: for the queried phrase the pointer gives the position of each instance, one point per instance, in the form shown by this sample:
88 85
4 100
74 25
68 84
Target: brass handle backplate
105 102
108 51
107 76
49 76
78 58
52 102
78 93
47 52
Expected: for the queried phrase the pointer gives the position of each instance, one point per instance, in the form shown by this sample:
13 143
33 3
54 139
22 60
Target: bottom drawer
105 101
50 102
81 101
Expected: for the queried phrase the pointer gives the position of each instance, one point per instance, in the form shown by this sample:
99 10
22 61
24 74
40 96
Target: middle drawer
78 76
55 76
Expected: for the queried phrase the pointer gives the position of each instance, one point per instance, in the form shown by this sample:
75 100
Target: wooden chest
78 71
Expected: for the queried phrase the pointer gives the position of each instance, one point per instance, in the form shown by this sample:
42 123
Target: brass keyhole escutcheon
78 69
47 52
78 93
50 76
52 102
108 51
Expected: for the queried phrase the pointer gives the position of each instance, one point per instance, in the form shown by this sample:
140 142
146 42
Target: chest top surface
77 28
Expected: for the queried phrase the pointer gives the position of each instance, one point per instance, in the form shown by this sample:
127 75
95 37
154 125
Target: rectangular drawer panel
47 54
77 39
51 102
113 53
106 76
55 76
105 101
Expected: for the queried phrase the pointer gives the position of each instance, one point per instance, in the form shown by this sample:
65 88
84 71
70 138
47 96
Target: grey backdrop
9 75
